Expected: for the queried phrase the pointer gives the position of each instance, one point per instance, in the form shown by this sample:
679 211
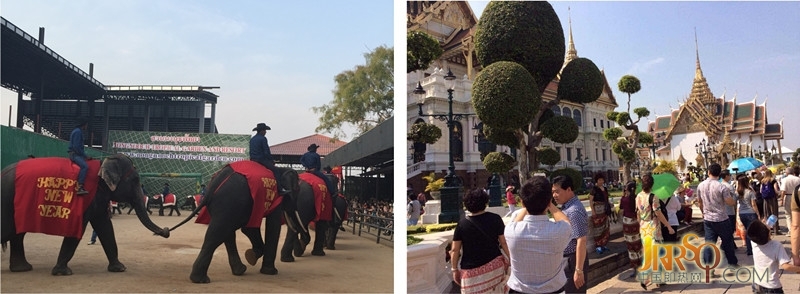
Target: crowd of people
375 212
534 254
540 256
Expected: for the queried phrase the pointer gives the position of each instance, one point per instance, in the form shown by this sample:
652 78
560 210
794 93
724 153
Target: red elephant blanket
322 200
263 189
169 200
45 199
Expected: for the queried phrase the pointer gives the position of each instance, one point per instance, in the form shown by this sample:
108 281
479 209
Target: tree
521 46
423 132
422 50
363 97
625 147
498 162
548 156
796 156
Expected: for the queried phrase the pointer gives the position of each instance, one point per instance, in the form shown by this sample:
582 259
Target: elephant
225 199
297 244
118 180
167 202
340 215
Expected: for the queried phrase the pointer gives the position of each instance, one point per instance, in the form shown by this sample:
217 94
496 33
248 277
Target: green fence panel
17 144
173 153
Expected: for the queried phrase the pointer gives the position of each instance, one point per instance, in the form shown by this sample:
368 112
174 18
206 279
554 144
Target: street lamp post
772 155
581 161
453 187
653 146
704 149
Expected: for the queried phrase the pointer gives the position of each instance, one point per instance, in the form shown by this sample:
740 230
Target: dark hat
261 126
313 147
166 184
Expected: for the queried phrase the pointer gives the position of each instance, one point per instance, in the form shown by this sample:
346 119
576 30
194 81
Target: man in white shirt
788 183
536 244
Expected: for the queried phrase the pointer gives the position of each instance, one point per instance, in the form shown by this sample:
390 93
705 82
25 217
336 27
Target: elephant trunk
144 218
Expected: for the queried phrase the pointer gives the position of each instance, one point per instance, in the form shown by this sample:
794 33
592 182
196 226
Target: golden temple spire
571 52
698 74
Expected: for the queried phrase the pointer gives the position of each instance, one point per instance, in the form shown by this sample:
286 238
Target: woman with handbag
630 226
480 235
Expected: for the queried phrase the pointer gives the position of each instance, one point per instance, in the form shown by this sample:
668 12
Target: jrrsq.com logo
683 263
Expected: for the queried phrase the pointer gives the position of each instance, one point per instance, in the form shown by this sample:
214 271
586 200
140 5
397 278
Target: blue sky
746 49
273 60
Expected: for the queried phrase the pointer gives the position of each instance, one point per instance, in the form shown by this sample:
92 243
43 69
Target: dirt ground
155 264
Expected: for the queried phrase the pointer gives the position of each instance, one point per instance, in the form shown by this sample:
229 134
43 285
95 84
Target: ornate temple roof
452 23
701 111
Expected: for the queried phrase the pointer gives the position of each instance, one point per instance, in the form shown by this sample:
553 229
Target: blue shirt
165 192
76 142
259 148
311 160
578 220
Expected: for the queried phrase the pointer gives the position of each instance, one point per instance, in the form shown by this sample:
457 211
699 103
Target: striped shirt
536 245
713 193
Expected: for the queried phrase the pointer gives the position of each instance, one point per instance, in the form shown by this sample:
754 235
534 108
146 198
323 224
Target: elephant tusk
337 214
300 221
289 221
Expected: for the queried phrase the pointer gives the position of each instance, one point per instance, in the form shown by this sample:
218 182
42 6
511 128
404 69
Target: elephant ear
109 173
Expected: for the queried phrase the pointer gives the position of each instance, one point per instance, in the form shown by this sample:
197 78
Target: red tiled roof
300 146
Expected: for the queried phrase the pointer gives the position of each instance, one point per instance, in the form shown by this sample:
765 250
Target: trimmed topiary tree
548 156
625 147
423 49
424 133
498 162
521 46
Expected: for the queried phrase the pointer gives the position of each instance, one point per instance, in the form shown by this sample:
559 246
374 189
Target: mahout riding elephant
38 195
168 201
229 206
339 216
321 215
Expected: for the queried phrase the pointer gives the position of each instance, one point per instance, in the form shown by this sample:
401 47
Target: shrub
440 227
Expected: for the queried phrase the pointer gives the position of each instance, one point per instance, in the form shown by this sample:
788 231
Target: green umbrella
664 184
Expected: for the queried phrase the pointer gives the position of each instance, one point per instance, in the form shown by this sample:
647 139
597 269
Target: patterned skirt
600 229
488 278
630 230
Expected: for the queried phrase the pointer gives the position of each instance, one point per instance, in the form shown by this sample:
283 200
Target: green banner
177 157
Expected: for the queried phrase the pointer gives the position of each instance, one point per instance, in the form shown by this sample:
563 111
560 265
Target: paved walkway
725 283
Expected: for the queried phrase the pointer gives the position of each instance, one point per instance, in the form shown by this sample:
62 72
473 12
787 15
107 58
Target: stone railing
414 169
427 270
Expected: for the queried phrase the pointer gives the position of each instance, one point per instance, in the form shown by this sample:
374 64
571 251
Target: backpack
662 208
768 190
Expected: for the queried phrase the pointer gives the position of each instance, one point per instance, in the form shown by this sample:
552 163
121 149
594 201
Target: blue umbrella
744 164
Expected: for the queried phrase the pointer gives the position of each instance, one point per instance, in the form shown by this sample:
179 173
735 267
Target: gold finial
698 72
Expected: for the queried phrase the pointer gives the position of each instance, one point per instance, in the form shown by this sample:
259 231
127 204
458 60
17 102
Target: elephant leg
272 232
66 253
160 210
177 209
257 251
105 231
237 267
290 243
319 238
218 231
330 238
17 262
